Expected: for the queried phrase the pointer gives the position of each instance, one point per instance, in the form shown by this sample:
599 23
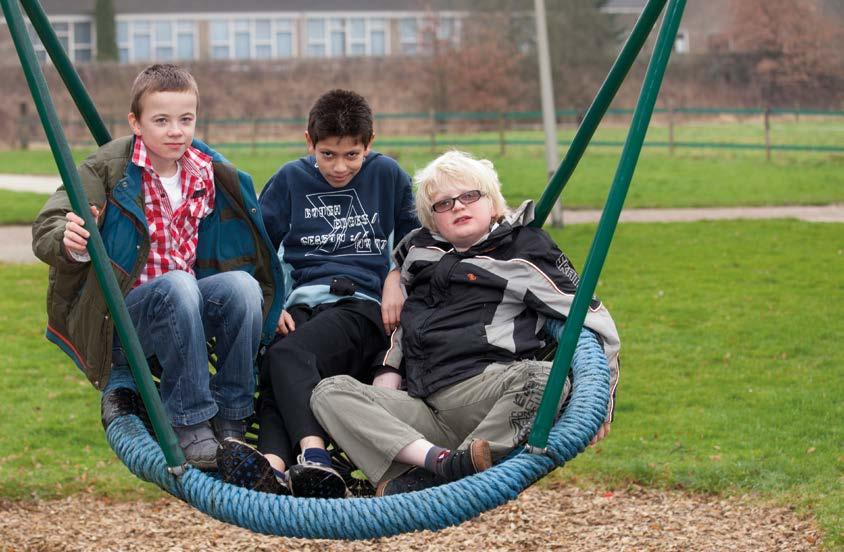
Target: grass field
687 179
731 377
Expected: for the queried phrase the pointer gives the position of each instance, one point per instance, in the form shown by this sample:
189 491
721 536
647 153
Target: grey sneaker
228 429
199 445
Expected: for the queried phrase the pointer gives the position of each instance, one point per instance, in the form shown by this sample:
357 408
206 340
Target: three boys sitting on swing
416 391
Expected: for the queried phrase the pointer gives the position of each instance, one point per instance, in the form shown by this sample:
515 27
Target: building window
316 38
681 43
409 35
377 37
284 38
141 40
75 36
251 39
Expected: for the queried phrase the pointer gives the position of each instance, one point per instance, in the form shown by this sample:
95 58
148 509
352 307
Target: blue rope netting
364 518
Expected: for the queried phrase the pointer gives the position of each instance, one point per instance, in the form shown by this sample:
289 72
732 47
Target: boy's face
338 159
167 124
465 223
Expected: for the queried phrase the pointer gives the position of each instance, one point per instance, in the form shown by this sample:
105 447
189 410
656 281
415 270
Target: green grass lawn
731 371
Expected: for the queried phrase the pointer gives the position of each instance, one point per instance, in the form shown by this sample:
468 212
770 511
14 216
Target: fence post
432 118
254 135
768 133
502 138
671 129
23 127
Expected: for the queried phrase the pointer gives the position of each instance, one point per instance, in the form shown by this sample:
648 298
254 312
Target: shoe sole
241 465
481 455
312 482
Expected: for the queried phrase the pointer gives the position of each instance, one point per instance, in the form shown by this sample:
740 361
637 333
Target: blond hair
456 169
161 77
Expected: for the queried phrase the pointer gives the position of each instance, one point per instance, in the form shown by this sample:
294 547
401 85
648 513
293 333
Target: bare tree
788 48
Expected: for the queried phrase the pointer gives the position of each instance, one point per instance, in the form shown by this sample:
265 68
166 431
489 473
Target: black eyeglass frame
466 198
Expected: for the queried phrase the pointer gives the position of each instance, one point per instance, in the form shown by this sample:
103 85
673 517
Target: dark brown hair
340 113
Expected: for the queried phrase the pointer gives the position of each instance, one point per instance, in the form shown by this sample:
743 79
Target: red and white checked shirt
173 235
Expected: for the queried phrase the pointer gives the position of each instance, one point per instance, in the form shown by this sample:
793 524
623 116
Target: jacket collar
499 233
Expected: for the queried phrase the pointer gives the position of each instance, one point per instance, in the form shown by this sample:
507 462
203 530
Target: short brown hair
161 77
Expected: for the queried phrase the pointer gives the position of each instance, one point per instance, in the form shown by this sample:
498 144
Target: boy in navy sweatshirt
334 217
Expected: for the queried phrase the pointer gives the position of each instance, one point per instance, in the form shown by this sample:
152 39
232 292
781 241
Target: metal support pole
599 107
606 227
65 68
101 263
546 85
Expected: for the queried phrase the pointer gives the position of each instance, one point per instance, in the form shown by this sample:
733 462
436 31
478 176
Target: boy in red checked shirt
191 254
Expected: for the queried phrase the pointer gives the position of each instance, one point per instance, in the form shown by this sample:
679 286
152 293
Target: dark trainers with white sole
241 465
314 480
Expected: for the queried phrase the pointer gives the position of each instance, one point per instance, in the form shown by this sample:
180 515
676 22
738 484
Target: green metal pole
596 111
102 266
65 68
606 227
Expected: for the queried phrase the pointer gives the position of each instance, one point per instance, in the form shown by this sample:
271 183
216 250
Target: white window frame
374 22
278 24
178 26
69 35
404 42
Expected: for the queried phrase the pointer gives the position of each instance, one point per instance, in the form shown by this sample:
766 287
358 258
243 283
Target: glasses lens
469 197
443 206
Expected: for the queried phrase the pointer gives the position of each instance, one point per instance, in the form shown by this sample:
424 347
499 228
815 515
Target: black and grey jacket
466 310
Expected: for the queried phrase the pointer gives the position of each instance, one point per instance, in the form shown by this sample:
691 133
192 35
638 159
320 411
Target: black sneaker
458 464
228 429
414 479
314 480
241 465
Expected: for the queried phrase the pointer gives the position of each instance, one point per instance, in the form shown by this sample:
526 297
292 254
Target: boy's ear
369 145
133 124
311 145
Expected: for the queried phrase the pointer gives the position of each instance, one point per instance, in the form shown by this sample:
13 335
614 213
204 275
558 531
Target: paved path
15 240
30 183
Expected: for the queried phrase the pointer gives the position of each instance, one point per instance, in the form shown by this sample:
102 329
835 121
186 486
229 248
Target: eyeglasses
466 198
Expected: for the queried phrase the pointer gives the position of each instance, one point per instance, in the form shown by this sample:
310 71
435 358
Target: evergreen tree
106 31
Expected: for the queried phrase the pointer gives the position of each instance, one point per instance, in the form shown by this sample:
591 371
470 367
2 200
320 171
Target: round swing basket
364 518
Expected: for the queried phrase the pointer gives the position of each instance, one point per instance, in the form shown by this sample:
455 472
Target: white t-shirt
173 186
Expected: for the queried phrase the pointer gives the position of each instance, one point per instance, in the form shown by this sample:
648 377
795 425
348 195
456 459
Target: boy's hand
285 323
75 238
388 380
392 300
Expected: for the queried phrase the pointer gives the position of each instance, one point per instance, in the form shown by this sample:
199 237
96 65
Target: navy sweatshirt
322 233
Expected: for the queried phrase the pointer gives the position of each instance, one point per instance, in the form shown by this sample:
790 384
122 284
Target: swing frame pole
547 411
99 258
64 66
632 46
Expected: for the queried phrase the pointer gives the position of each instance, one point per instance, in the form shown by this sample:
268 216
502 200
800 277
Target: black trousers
331 339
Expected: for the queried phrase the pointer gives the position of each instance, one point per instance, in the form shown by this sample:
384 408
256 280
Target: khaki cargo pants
373 424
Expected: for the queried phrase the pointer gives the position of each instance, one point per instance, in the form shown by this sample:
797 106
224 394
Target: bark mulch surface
552 518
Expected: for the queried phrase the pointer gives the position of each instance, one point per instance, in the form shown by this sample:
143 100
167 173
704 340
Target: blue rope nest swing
365 518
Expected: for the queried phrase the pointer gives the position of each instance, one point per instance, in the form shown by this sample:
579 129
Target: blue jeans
175 315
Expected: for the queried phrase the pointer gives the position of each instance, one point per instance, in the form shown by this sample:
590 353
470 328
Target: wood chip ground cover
553 518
